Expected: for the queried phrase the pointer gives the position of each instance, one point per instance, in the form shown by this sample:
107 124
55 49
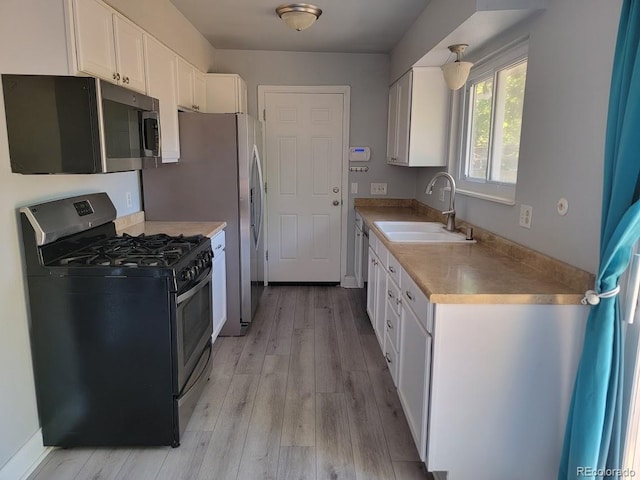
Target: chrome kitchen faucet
451 213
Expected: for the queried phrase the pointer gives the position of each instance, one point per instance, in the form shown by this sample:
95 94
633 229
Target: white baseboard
23 463
349 282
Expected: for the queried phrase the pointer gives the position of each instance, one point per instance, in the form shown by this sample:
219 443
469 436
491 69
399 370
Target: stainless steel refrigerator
218 178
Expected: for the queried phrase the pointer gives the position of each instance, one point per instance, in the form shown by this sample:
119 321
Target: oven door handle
202 281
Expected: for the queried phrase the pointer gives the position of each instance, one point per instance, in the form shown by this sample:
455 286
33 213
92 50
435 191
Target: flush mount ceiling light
456 73
298 16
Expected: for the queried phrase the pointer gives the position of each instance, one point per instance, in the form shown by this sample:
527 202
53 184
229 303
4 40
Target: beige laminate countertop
468 273
174 228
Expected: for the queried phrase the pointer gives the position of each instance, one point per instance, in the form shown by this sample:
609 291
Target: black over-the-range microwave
58 124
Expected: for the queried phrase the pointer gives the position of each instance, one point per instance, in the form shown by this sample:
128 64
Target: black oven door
193 326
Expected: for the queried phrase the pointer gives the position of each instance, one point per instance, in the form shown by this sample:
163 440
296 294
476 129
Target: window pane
482 100
508 123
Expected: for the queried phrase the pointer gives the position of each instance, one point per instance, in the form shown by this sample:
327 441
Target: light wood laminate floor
305 395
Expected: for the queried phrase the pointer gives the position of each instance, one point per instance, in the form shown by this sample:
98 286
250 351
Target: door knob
336 203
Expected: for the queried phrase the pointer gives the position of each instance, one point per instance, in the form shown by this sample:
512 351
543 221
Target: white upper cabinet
161 82
107 45
130 54
418 119
226 93
191 89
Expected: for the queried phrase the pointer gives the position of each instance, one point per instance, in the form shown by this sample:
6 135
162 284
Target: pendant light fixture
456 73
298 16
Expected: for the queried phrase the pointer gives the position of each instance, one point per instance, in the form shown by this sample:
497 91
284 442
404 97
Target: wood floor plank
184 463
222 459
226 360
327 354
396 429
276 364
334 454
373 354
104 464
63 464
411 471
262 447
255 345
298 428
280 340
358 302
351 355
304 308
143 463
370 454
297 463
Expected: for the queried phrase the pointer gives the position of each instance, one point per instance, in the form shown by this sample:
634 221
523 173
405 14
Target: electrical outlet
129 200
526 211
354 187
378 189
441 194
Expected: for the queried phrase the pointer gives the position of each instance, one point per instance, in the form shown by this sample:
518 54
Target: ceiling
354 26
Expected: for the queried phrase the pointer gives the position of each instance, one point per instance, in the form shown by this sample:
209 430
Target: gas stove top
128 251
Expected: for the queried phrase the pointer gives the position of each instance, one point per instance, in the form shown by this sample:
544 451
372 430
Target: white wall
165 22
562 145
368 76
33 40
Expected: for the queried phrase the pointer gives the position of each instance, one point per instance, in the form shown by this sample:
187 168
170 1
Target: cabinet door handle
115 76
118 75
389 325
390 293
391 269
398 301
386 355
409 296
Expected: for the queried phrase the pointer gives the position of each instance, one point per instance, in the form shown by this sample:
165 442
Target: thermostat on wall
359 154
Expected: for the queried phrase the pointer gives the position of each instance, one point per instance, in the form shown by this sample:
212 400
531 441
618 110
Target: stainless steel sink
419 232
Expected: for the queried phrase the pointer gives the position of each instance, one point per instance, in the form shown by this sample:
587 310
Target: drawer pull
389 325
391 269
389 293
386 355
409 296
219 246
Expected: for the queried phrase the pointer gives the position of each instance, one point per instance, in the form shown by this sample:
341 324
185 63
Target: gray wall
368 76
33 40
570 59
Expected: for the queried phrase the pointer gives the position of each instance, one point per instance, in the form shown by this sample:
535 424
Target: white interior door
304 151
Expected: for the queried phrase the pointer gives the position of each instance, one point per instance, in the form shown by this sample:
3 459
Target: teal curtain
593 440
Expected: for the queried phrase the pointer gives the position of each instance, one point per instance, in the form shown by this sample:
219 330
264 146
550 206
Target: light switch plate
354 187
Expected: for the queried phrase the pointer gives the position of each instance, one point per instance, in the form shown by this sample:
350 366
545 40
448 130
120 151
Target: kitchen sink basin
419 232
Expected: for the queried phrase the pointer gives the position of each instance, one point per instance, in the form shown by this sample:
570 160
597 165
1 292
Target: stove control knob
194 272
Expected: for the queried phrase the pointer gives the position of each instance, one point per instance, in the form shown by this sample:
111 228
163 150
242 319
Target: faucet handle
449 212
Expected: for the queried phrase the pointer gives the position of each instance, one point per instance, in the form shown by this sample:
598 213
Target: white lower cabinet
219 283
414 376
372 285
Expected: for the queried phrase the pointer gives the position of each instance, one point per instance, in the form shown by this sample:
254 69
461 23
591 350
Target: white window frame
504 193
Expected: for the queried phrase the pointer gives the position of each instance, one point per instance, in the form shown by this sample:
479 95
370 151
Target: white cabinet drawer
392 326
413 297
394 268
391 356
394 295
218 243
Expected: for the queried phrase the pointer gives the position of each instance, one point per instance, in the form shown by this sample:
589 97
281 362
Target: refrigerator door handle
256 158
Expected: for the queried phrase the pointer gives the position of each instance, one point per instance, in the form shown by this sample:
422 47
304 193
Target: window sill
485 196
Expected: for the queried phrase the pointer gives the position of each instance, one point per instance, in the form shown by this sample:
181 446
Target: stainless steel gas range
120 326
